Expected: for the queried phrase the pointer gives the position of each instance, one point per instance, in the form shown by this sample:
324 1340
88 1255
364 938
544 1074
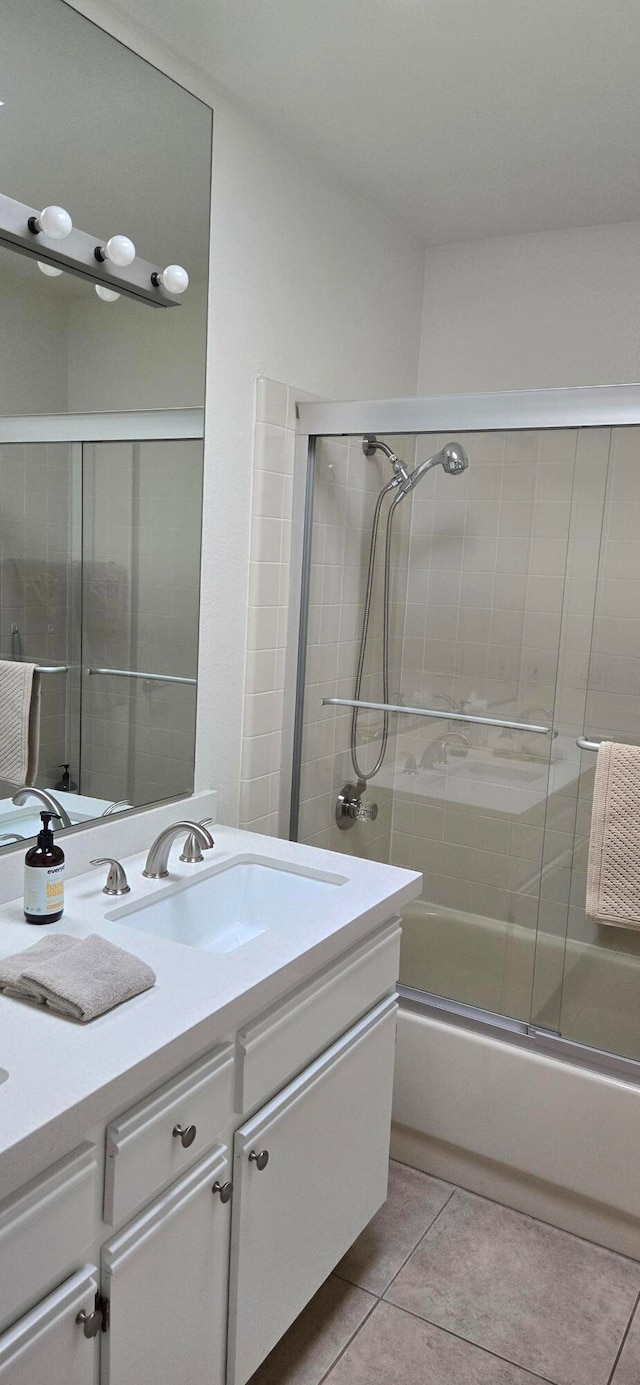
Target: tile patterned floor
448 1288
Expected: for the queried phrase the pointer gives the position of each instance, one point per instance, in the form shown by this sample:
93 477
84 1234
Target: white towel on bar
613 875
19 722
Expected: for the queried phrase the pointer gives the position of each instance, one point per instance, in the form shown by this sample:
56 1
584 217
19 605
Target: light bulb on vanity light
52 222
119 250
107 295
49 269
174 279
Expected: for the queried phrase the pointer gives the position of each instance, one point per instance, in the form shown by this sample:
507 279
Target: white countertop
65 1077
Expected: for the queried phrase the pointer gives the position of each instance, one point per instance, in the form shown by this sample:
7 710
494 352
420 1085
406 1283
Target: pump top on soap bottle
44 877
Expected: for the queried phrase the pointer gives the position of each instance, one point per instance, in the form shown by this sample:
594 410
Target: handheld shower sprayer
452 458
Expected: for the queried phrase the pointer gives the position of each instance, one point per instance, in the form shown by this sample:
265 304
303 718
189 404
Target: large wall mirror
101 421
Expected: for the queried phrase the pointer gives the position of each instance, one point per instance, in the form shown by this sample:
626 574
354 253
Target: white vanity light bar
76 254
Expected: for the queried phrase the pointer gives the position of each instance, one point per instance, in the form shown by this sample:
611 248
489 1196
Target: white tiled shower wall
346 488
268 605
347 485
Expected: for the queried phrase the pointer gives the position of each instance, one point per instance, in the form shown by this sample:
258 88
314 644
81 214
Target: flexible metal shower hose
361 774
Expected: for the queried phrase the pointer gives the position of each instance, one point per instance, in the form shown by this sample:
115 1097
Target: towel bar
133 673
438 713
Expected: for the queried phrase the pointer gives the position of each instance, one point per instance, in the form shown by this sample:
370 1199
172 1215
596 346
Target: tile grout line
625 1335
476 1345
376 1300
418 1243
379 1297
407 1257
574 1235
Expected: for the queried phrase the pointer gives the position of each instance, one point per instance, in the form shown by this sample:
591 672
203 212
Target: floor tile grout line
517 1365
407 1257
376 1300
381 1297
575 1235
419 1242
625 1335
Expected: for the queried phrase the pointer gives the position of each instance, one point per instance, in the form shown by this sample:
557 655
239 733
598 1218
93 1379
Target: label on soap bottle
44 889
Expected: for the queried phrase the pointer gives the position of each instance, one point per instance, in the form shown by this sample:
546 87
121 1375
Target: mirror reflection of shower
454 461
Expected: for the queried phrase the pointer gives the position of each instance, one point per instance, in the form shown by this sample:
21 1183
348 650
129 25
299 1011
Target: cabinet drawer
288 1036
48 1346
45 1230
144 1154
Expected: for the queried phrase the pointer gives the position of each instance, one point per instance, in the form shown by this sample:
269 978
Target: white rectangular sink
229 907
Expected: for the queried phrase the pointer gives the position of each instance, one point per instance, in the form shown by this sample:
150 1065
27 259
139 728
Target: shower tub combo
448 689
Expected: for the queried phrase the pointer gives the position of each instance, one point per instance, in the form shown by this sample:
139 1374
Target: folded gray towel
80 979
11 968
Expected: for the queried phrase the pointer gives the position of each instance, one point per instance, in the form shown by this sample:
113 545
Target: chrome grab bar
438 714
133 673
584 744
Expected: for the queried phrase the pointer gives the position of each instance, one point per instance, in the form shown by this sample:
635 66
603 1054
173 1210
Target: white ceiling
465 118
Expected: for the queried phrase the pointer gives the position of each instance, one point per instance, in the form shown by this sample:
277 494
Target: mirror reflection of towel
19 722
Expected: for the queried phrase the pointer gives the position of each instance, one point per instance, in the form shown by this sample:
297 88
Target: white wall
309 285
525 312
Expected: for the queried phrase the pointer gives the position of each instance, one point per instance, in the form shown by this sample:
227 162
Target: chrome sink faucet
46 799
156 867
437 752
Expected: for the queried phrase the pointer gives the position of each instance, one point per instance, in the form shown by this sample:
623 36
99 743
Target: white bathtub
548 1136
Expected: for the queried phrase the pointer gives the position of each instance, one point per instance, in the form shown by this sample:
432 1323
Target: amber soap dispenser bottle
44 878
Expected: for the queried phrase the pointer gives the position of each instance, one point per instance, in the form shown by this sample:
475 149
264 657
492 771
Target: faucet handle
192 851
116 882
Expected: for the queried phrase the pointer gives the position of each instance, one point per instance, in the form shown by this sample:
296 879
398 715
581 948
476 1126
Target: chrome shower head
452 458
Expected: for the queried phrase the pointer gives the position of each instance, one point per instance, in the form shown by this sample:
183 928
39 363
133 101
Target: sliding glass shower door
592 993
478 572
514 605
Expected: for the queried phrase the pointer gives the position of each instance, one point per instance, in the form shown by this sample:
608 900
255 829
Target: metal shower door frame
585 406
597 406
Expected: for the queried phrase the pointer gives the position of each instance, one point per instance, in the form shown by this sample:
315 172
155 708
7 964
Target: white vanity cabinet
205 1258
310 1170
48 1346
165 1279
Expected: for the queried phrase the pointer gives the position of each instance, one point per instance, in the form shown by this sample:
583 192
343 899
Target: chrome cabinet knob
185 1134
224 1189
260 1160
91 1322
